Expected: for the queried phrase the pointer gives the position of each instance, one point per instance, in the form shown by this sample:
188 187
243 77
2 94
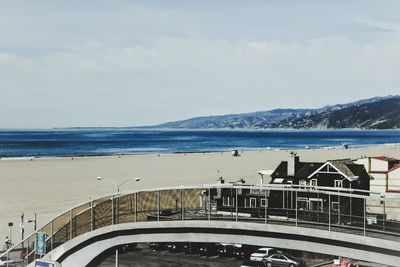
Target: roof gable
338 166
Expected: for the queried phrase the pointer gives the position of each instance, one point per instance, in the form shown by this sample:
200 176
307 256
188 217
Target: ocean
99 142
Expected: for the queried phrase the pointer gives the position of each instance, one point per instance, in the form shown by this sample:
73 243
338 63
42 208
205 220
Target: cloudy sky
126 63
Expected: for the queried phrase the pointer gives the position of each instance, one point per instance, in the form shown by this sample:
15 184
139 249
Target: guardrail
298 206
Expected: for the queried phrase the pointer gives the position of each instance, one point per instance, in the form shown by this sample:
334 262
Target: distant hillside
372 113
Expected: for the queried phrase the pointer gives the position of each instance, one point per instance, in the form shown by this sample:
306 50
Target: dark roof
307 169
304 169
357 169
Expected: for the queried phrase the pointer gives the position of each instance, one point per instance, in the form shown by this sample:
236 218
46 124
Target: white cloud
141 64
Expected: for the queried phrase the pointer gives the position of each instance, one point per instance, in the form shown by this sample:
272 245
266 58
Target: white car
261 253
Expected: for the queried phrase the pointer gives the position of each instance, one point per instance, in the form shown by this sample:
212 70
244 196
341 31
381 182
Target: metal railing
340 210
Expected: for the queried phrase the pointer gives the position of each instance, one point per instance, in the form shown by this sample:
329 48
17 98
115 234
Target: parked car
209 249
243 251
261 253
158 246
4 261
176 247
283 260
192 248
226 250
250 263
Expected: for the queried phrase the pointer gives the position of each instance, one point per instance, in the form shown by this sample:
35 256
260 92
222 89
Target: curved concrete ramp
83 249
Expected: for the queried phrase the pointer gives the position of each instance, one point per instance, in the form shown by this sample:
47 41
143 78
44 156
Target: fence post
236 203
296 210
92 216
52 234
70 224
182 205
209 204
158 205
265 205
136 202
112 210
384 213
338 209
365 209
329 210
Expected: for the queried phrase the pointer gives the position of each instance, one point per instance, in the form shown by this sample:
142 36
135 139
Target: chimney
292 162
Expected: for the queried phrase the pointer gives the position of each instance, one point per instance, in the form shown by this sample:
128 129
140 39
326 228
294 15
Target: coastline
48 186
240 149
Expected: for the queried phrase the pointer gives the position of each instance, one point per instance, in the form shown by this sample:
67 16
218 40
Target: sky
130 63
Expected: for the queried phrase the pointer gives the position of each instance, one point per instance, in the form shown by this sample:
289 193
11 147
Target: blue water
95 142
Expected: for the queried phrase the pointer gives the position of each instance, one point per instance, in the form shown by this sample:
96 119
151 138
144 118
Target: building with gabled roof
343 173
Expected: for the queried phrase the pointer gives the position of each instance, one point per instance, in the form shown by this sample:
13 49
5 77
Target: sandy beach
49 186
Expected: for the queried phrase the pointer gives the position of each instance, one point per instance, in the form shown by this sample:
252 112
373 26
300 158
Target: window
253 202
302 182
335 206
302 203
250 202
264 202
339 183
228 201
316 204
314 182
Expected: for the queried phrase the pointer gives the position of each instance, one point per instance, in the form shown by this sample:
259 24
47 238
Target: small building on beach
340 175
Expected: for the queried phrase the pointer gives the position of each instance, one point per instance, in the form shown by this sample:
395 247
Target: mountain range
371 113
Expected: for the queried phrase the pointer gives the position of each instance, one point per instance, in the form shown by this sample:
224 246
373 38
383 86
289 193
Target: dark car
191 248
176 247
158 246
281 260
209 249
243 252
226 250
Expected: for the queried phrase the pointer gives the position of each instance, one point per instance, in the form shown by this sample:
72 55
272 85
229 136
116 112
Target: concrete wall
320 241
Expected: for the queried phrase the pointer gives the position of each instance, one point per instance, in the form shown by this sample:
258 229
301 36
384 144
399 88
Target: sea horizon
133 141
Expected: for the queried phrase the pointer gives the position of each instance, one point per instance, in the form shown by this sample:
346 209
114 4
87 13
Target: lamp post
34 221
117 185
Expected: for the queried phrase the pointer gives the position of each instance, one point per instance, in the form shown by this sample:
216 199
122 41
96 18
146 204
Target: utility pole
21 226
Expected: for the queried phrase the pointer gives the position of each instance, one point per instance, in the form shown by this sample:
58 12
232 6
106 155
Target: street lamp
117 185
33 221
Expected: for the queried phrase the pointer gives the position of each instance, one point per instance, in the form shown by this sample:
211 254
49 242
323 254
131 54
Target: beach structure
385 179
336 175
79 236
333 174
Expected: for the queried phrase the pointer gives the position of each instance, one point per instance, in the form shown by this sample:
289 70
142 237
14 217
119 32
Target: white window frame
302 183
227 201
312 182
264 202
337 183
246 202
303 199
253 200
317 200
